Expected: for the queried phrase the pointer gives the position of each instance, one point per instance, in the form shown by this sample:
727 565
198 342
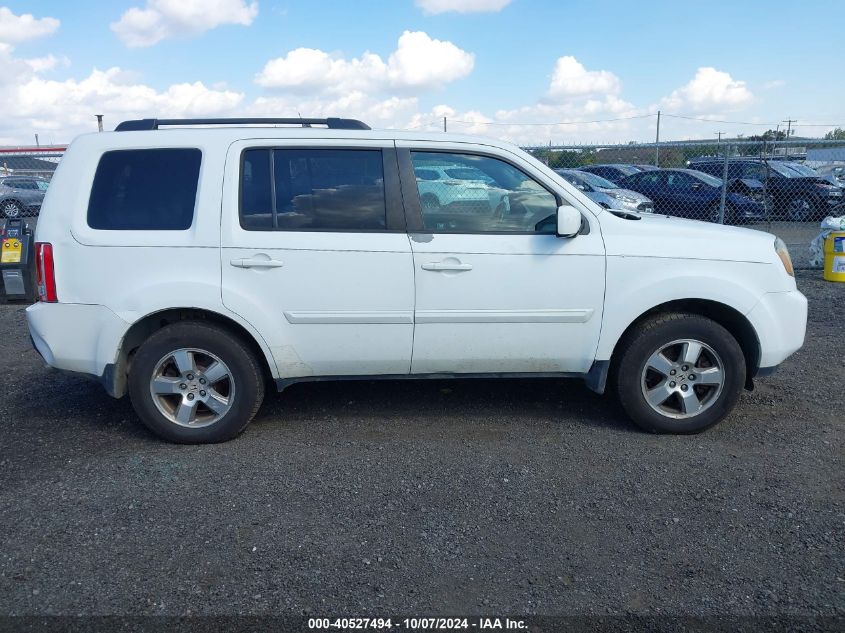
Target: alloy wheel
192 387
683 379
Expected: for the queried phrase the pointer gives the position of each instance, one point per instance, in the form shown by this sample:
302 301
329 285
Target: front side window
312 189
479 194
145 190
678 180
646 178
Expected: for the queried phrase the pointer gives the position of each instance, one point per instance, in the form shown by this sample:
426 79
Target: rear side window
312 189
145 190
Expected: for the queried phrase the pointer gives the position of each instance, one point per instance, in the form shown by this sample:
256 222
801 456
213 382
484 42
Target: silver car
606 193
21 196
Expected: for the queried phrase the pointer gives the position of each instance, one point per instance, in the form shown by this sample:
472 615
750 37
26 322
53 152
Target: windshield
782 169
467 173
802 169
710 180
594 180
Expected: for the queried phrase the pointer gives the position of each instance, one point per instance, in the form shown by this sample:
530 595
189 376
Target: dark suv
21 195
791 196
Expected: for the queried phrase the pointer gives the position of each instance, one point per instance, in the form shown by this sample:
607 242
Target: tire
713 213
12 209
429 202
671 335
200 367
800 209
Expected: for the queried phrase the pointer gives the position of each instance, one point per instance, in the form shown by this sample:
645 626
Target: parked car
693 194
605 193
792 196
21 196
614 173
834 174
458 188
191 267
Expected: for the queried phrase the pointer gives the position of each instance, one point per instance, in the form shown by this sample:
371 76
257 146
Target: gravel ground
434 497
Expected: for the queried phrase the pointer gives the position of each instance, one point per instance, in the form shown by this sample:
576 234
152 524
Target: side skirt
594 379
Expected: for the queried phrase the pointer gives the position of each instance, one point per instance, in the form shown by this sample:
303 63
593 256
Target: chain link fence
784 187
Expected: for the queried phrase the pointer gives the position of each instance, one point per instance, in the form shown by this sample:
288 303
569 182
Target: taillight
45 276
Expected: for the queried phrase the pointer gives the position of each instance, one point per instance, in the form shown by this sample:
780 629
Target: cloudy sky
531 71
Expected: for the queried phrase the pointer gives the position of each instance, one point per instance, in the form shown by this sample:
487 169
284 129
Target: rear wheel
714 213
679 373
429 202
12 209
195 383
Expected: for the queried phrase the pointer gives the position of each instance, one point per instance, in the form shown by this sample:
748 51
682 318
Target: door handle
441 266
256 263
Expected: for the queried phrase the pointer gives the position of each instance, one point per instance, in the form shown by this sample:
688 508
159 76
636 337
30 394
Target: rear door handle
256 263
441 266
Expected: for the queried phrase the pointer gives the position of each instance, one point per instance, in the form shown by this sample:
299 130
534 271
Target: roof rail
332 123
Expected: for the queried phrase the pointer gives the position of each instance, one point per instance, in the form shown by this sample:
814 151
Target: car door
687 196
496 290
315 254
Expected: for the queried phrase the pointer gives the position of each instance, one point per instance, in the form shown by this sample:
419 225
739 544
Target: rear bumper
780 320
76 337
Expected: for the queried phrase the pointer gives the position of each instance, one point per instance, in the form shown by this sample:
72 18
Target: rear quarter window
145 190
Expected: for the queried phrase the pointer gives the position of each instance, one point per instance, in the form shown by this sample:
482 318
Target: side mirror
568 221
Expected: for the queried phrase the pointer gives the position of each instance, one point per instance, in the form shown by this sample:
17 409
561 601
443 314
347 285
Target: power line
706 120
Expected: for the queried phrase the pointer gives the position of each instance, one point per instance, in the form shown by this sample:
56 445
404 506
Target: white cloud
419 62
68 107
776 83
48 62
161 19
377 112
709 89
571 79
434 7
15 29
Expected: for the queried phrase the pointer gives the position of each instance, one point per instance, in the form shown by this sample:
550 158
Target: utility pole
657 143
99 122
789 123
444 123
719 143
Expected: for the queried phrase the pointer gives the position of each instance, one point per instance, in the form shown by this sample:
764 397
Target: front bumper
780 320
76 337
751 210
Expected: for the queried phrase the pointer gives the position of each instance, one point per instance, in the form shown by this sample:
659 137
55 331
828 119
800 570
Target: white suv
192 266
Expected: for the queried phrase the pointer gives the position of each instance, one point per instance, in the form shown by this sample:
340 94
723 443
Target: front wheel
195 383
679 373
800 209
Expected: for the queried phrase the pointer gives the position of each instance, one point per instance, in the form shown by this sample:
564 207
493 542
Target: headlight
783 253
627 201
